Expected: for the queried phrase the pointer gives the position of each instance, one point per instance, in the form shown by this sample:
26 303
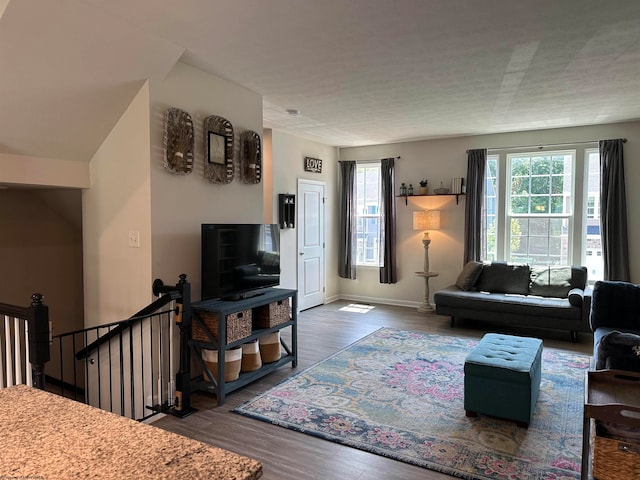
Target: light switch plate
134 239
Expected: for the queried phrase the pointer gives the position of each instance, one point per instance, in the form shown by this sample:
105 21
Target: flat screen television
239 259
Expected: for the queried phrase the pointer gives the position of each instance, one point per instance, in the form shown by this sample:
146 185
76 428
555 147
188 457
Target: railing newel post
39 339
182 402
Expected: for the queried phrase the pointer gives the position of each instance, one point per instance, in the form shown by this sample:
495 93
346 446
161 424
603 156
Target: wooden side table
426 306
609 395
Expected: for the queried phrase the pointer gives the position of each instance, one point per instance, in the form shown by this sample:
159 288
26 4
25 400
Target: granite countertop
45 436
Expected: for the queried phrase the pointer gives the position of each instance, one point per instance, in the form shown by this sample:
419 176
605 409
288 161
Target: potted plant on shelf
423 186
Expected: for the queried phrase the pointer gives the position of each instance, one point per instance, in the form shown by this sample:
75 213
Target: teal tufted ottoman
502 377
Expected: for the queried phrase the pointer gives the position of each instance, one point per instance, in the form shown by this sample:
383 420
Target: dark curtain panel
473 215
613 211
347 185
388 224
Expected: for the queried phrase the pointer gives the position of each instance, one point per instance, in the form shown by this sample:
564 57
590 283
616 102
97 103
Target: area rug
399 394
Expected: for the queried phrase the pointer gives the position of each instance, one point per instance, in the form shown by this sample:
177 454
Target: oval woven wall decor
178 141
250 157
218 149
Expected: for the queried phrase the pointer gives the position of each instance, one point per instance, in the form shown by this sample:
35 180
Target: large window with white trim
539 209
543 208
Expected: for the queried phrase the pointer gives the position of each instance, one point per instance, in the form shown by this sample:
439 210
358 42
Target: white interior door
311 244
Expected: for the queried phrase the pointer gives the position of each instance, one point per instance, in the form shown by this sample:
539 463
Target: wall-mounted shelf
406 197
287 210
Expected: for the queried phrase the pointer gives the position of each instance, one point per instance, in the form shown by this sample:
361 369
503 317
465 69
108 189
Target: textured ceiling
360 71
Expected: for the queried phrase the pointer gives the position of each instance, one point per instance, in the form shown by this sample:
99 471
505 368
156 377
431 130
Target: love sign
312 165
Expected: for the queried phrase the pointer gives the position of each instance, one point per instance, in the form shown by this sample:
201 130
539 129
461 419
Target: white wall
446 158
288 154
117 278
180 204
50 172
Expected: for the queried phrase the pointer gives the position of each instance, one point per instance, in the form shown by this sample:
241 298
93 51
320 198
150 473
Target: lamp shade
426 220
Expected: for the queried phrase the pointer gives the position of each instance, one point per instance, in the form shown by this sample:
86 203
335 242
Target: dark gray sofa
542 297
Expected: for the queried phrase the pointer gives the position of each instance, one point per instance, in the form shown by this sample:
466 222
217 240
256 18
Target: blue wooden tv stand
218 340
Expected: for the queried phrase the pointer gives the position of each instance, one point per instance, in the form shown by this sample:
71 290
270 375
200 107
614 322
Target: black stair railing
182 400
31 329
128 367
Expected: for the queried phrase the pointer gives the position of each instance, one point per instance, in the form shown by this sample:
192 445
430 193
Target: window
532 220
593 240
539 208
543 208
368 214
491 208
592 207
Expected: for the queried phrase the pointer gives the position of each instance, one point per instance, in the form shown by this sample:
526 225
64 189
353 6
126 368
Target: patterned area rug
400 394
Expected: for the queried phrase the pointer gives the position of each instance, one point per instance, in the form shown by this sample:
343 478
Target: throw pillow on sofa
620 351
469 275
500 277
556 281
550 281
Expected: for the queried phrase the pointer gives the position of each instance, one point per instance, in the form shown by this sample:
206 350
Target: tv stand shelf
222 308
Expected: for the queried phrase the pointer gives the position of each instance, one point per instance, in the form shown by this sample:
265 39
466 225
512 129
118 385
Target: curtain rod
541 146
368 161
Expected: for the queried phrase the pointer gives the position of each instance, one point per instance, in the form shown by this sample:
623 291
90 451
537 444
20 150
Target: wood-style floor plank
322 331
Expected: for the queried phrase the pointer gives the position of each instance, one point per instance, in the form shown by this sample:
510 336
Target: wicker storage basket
275 313
232 363
238 326
615 459
270 347
251 359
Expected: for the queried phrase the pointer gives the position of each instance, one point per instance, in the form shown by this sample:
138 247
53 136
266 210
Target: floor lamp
426 220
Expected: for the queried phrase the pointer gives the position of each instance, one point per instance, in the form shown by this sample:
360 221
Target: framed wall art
218 146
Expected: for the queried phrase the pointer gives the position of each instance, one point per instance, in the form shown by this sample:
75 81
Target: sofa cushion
499 277
556 281
506 304
615 304
618 350
468 276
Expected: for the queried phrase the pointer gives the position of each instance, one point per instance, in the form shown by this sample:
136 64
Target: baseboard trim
383 301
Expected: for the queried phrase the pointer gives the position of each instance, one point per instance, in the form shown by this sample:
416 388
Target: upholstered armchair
615 322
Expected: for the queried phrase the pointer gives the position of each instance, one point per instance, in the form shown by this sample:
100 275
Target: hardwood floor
322 331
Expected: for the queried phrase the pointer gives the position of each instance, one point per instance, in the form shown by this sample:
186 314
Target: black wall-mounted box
287 210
